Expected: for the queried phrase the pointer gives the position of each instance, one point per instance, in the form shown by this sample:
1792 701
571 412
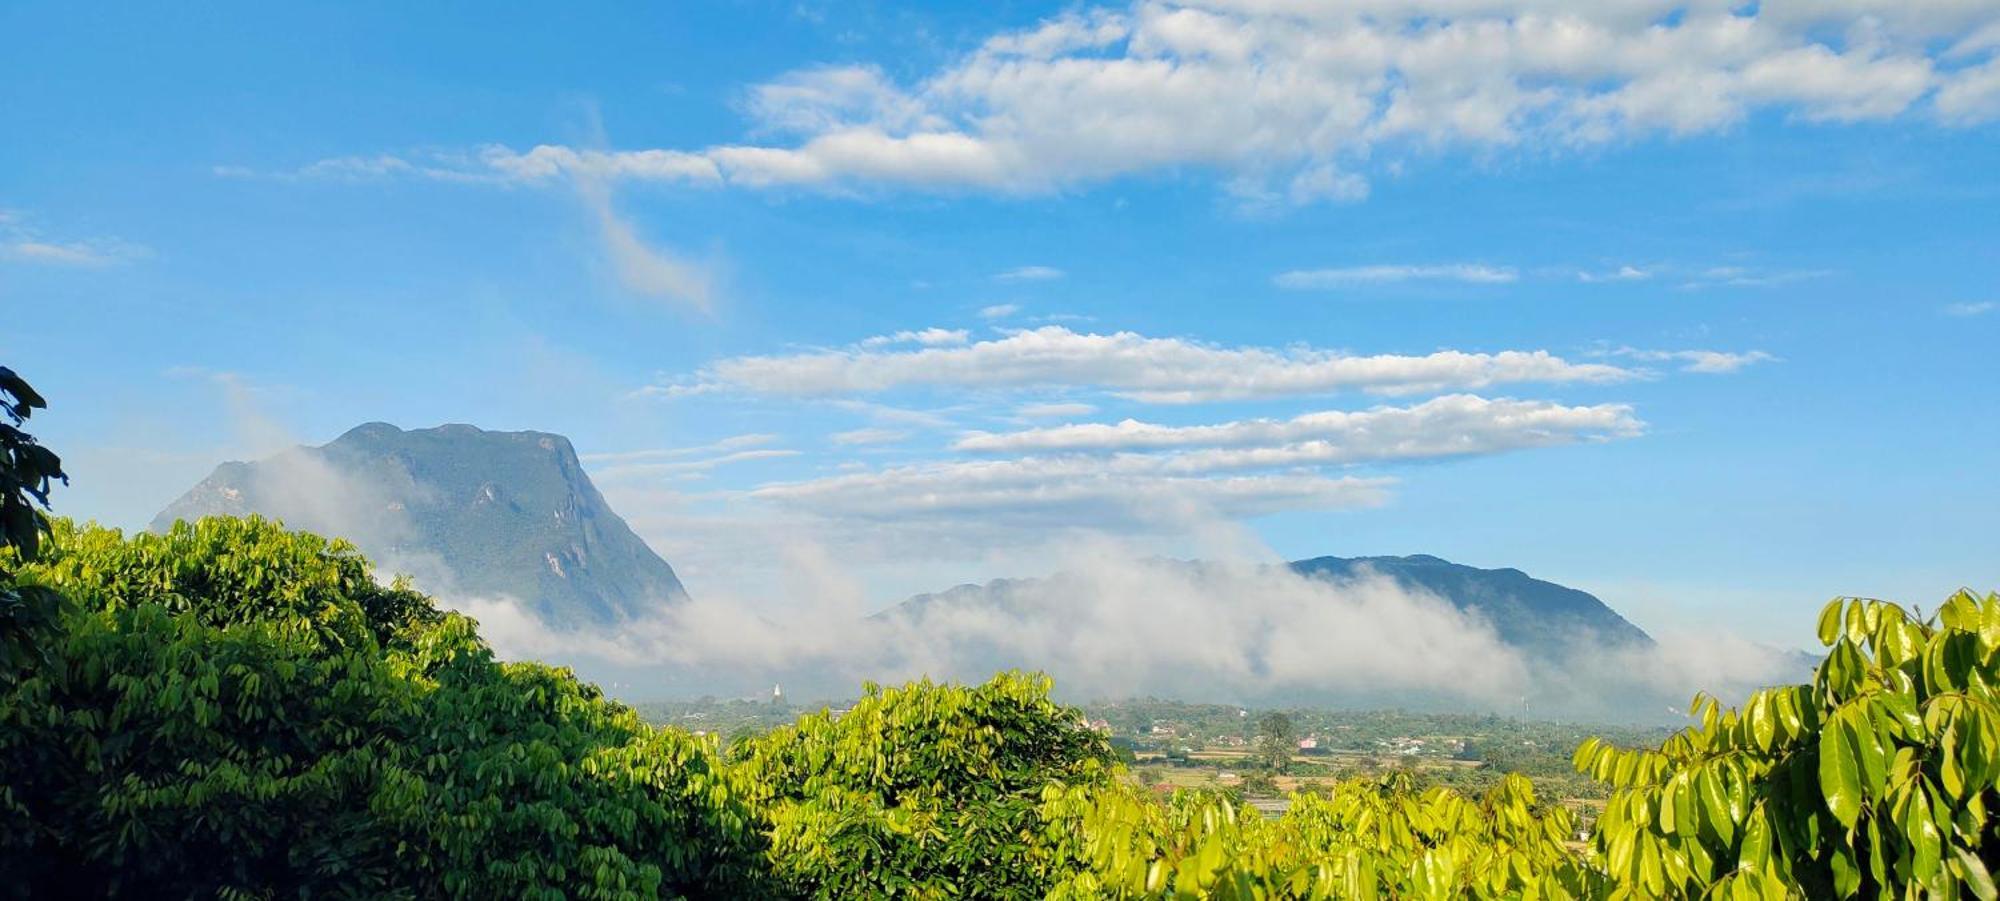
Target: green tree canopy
1276 740
27 473
233 708
926 790
1365 838
1876 780
27 469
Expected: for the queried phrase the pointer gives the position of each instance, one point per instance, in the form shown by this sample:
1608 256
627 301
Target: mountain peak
465 511
368 430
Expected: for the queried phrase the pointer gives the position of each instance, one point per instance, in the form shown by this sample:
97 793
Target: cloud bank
1115 626
1293 102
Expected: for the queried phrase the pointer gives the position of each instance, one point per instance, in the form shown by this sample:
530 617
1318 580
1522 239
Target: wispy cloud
734 442
894 415
1072 493
930 337
686 468
1696 277
1747 277
1471 273
868 436
999 311
494 165
645 269
1704 361
1054 410
1446 426
1029 274
22 243
1979 308
1625 273
1156 370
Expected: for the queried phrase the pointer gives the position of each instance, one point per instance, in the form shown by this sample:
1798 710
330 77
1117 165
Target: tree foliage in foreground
27 469
926 790
1878 780
230 708
1365 838
27 472
233 709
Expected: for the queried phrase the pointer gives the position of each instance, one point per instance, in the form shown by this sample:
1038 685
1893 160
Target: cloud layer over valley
1115 626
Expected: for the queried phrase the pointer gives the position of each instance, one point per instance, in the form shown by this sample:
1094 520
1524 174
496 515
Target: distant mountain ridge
466 511
1527 613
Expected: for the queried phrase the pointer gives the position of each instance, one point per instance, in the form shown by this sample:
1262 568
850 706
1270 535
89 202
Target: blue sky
1690 304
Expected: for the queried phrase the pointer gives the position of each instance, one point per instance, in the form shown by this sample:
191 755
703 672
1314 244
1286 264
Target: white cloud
1698 277
21 243
1972 95
999 311
1108 624
1064 492
1296 102
1746 277
76 253
358 167
687 468
1114 622
1029 274
549 162
1626 273
733 442
903 416
868 436
1705 361
1445 426
1980 308
1843 87
930 337
1307 279
642 268
1157 370
495 165
1053 410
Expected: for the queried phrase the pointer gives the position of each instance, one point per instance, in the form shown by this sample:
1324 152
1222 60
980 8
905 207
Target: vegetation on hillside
233 709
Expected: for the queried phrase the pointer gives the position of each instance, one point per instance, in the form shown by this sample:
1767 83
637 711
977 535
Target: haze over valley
507 526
